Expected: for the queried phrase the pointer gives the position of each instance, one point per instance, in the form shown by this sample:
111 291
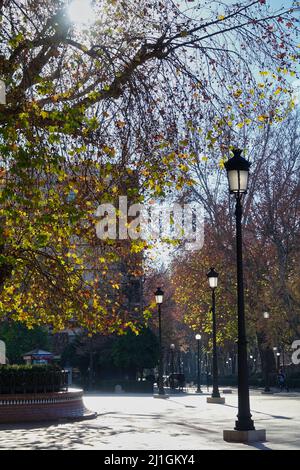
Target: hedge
32 379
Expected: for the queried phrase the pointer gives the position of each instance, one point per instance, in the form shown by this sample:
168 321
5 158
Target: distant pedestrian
282 381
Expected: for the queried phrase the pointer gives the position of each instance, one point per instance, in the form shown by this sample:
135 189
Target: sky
280 3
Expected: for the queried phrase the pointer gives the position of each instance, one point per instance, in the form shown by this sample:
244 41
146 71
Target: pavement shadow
182 404
258 445
60 436
193 427
261 413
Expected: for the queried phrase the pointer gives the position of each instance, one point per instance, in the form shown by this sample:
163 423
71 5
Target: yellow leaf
237 93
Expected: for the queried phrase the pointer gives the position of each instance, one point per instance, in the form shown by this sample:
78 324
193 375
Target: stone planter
18 408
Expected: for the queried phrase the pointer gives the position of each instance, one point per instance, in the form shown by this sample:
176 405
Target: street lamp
212 276
172 349
278 360
251 363
198 339
278 354
159 296
231 365
237 169
267 373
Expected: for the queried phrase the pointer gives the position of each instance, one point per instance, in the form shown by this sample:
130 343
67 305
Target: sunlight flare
81 12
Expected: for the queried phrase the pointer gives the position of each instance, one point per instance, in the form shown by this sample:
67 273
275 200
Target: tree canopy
87 107
19 340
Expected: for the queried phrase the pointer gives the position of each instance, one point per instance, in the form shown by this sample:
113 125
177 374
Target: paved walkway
181 422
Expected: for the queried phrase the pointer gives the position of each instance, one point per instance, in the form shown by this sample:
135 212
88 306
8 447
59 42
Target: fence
32 381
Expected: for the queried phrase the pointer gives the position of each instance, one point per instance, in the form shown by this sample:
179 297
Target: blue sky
280 3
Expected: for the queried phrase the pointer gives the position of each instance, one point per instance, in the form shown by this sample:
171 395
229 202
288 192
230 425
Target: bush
32 379
293 382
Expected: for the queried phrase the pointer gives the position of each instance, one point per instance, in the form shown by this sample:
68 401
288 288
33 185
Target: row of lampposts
159 295
213 282
237 169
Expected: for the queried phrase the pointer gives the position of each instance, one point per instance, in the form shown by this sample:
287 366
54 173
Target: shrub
31 379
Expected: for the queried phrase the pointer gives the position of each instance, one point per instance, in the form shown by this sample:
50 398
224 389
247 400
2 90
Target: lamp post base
219 400
198 391
258 435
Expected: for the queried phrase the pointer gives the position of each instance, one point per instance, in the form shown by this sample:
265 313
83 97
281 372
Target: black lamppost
198 338
237 169
179 361
278 361
251 362
213 283
267 351
159 296
172 348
